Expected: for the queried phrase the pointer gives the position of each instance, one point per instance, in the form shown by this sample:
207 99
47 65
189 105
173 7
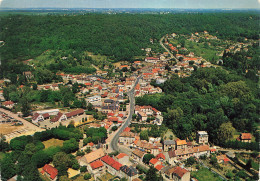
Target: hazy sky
206 4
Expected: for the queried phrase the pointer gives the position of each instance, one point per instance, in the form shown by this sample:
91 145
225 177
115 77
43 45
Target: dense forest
120 37
211 99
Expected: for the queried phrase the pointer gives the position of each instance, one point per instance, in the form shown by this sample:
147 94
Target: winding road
131 95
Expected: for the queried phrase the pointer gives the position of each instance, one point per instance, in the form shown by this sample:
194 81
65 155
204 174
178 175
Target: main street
131 95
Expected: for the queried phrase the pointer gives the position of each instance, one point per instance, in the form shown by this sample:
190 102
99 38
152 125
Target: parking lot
11 125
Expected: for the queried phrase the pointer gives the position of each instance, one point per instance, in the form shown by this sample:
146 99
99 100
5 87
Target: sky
186 4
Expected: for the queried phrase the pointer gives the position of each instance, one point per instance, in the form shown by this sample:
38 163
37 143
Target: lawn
168 134
106 177
52 142
205 175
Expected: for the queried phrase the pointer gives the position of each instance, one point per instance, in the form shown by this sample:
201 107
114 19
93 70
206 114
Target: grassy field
168 135
205 175
52 142
200 50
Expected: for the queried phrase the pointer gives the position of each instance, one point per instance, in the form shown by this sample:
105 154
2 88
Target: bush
190 161
80 153
83 169
114 128
115 153
75 166
86 141
147 158
87 176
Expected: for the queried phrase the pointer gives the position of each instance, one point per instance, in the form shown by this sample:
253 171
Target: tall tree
151 175
225 132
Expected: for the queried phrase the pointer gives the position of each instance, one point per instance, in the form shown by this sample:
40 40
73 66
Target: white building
94 99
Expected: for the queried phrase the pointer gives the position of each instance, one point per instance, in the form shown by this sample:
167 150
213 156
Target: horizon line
134 8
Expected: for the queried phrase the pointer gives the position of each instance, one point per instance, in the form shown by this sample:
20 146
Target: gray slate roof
169 142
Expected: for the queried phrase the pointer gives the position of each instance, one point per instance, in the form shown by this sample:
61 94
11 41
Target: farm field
52 142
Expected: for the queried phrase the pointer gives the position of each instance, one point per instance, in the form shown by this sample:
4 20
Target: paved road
131 95
161 43
25 123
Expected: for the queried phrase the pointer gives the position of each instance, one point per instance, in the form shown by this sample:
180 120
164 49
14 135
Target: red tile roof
179 171
7 103
114 119
53 172
35 116
110 161
147 73
96 164
56 118
226 160
106 81
153 161
181 142
160 155
159 167
75 113
120 115
110 114
46 115
246 136
91 144
99 88
88 84
121 155
127 129
155 110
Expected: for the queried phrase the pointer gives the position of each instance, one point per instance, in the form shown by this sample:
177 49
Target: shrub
83 169
87 176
